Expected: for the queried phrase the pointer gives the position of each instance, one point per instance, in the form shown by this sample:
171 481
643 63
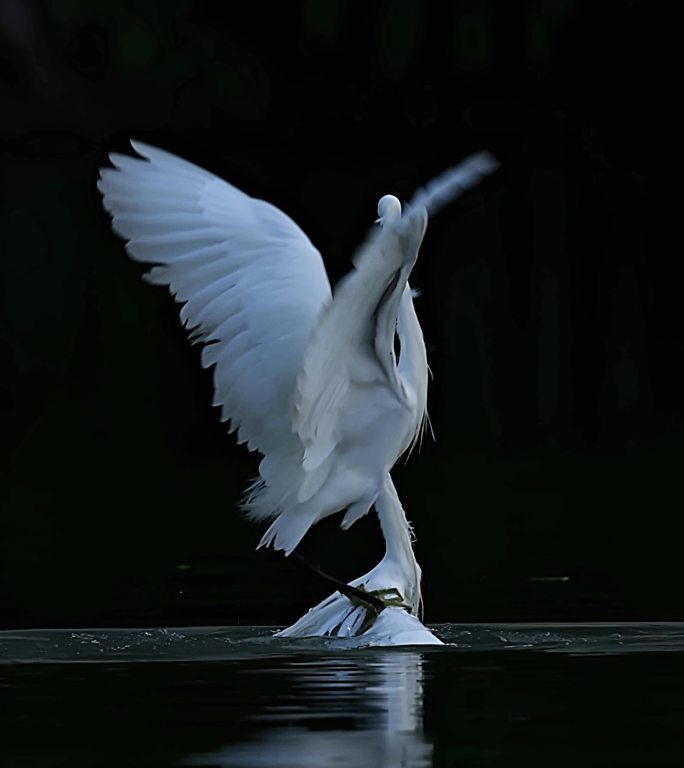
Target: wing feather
251 283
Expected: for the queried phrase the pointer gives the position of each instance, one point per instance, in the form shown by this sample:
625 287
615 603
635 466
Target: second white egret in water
306 377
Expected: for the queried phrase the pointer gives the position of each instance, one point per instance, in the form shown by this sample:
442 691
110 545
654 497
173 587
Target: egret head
389 209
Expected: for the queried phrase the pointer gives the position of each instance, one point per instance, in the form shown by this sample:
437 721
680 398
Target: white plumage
307 379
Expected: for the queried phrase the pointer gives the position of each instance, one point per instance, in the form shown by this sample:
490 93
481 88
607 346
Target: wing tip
144 153
485 162
144 150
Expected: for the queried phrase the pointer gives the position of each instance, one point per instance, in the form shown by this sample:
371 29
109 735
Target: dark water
553 695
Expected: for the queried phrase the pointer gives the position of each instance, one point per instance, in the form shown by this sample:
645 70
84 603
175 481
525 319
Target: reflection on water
562 695
379 698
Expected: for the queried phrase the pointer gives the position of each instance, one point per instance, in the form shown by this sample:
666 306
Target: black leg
353 593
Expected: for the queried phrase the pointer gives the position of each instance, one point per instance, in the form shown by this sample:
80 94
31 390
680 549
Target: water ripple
226 643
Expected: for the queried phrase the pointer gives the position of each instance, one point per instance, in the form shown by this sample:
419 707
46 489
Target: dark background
553 328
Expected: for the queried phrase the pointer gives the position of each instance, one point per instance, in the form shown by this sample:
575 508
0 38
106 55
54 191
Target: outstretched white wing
251 282
451 184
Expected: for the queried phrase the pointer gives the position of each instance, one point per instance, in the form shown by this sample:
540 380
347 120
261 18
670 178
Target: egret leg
341 586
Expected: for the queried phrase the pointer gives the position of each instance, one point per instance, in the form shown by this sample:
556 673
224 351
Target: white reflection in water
374 705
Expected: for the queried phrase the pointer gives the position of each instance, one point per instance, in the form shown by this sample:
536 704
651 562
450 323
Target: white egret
307 378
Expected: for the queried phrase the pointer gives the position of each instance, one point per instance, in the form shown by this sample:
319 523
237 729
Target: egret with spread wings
307 377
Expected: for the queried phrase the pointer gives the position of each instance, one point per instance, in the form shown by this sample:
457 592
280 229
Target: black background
552 325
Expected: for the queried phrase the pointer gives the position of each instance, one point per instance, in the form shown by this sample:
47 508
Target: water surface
505 694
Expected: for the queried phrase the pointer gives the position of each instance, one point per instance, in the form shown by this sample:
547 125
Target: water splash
228 643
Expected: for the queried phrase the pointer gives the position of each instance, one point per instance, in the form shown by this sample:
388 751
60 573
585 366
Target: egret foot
390 597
